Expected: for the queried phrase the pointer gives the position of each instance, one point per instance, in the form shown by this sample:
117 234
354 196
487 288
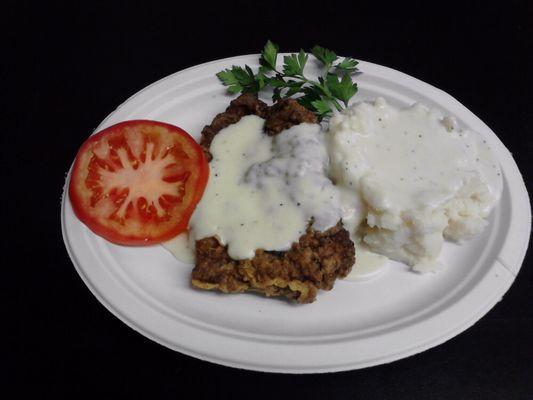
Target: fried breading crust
314 262
286 113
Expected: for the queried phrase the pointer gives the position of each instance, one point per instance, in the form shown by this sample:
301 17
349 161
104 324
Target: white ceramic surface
357 324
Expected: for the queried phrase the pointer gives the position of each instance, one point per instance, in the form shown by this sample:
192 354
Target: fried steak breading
286 113
314 262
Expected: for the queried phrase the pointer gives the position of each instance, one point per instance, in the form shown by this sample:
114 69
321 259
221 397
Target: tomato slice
138 182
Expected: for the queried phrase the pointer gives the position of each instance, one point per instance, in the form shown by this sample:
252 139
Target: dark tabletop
66 67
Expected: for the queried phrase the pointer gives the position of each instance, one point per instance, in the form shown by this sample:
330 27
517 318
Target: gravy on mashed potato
417 178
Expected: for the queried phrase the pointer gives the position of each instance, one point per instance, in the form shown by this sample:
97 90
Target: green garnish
332 90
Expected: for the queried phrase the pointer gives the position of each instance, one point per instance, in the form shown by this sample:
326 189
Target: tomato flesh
137 182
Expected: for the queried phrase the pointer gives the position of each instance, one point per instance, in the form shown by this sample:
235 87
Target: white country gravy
263 191
182 247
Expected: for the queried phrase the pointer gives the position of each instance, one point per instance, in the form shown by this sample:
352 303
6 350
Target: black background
66 66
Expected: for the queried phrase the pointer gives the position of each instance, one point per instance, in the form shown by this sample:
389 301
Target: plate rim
512 270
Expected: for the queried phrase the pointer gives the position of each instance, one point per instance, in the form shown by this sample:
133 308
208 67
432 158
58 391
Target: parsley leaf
322 107
327 57
228 78
302 59
240 79
348 65
291 66
342 89
242 76
269 56
294 64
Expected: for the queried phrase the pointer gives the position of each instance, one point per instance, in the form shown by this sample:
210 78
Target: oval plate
357 324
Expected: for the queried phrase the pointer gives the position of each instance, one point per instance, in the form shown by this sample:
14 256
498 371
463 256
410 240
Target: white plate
353 326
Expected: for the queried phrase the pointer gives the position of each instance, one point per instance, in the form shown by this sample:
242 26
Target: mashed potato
418 178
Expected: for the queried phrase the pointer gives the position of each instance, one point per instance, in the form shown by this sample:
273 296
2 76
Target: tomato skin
77 188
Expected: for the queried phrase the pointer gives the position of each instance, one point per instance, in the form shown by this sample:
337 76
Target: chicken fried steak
314 262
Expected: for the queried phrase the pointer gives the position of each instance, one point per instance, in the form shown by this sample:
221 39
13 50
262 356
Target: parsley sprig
333 89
